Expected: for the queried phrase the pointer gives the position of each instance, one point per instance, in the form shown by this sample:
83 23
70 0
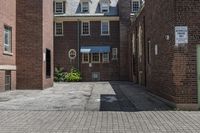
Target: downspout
78 43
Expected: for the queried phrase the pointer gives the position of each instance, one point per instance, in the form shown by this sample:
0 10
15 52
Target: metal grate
96 76
8 81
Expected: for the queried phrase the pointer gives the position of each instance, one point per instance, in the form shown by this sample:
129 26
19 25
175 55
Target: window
85 58
96 58
58 7
58 29
85 28
7 39
114 53
105 57
48 63
135 5
85 7
105 28
105 7
72 54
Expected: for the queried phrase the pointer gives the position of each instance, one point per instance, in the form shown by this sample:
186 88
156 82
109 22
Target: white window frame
105 57
105 6
114 53
88 28
56 7
8 31
103 34
95 61
83 55
56 29
82 6
132 5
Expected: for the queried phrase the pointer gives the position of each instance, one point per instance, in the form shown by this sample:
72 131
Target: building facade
164 47
92 36
7 45
34 42
26 44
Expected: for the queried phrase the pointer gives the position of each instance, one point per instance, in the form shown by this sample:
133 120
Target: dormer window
105 7
59 7
135 5
85 7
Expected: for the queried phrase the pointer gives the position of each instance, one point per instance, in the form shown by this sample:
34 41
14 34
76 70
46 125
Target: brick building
34 42
165 39
26 44
93 37
7 45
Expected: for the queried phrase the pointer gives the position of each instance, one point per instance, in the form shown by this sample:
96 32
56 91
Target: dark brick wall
34 34
124 13
172 73
8 18
69 41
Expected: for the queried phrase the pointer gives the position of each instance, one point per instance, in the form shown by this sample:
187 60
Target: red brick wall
32 39
188 14
8 18
172 73
63 44
48 39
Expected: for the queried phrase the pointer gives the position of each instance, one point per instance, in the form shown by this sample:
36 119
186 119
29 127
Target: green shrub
59 75
73 76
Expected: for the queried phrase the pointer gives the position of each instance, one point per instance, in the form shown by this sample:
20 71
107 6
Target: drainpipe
78 42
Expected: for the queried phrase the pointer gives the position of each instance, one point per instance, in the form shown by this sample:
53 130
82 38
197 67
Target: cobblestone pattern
99 122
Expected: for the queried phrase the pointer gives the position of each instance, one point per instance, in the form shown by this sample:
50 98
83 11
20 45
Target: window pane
85 7
135 6
59 7
105 28
104 7
7 39
105 57
59 28
114 53
85 28
95 57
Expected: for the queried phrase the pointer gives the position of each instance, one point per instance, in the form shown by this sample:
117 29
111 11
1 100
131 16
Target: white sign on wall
181 35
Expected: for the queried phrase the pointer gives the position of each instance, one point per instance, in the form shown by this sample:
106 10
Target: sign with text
181 34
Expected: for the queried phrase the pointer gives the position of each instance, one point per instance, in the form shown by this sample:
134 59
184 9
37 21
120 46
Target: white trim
85 18
69 54
108 7
96 61
56 8
108 28
107 59
82 6
132 5
84 62
116 54
88 28
8 67
56 29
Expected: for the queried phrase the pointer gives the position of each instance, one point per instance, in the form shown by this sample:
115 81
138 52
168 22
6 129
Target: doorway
7 80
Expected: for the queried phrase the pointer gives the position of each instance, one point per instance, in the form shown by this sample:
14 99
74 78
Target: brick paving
99 122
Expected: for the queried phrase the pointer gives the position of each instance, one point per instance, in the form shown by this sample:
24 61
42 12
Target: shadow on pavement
130 98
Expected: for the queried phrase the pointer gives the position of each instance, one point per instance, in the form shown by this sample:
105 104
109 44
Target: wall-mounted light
167 37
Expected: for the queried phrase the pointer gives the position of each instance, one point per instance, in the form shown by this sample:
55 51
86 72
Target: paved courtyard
103 107
100 96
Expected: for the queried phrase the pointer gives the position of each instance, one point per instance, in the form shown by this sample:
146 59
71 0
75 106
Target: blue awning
95 49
